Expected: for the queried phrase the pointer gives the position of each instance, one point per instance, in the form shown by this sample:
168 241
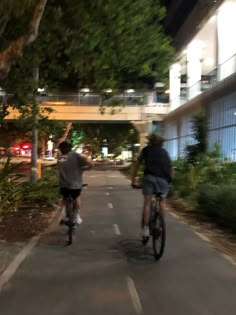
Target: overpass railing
94 99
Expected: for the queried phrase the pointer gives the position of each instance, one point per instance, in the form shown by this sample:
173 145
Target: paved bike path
107 271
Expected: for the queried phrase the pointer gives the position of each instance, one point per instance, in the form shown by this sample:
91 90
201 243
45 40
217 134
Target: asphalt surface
107 271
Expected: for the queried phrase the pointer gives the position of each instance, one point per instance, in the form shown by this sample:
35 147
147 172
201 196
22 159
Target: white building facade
204 76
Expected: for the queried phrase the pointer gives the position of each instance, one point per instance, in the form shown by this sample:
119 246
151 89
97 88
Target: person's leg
146 209
163 189
77 205
146 216
162 203
148 186
77 202
63 192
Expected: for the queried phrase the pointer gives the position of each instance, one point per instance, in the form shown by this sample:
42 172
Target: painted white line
91 176
110 205
114 176
107 194
203 237
116 229
134 296
14 265
229 259
110 187
174 215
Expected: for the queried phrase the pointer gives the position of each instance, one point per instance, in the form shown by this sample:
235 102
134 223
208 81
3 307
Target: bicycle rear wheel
158 235
71 220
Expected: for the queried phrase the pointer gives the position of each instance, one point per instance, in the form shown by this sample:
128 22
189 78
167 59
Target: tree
97 135
200 131
101 44
13 50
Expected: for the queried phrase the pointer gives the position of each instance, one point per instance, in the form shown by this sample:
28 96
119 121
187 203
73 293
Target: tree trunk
15 49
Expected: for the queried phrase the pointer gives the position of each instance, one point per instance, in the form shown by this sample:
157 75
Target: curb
12 267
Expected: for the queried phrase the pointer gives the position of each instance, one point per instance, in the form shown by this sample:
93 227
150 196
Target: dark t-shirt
156 162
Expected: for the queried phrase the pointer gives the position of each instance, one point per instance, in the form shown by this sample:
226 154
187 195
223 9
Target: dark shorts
74 193
153 185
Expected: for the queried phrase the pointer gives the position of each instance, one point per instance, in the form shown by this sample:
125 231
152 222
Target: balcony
207 82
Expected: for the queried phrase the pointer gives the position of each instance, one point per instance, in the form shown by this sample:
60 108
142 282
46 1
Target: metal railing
126 99
220 73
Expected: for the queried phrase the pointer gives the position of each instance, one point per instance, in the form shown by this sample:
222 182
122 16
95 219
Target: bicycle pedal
145 239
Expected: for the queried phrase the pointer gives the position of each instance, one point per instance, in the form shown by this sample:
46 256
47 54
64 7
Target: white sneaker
79 220
146 232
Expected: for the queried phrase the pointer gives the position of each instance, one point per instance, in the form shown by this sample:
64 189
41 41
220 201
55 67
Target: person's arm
63 138
135 172
170 166
136 168
86 164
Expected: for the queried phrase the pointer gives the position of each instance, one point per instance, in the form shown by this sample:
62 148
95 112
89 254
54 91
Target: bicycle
157 226
71 212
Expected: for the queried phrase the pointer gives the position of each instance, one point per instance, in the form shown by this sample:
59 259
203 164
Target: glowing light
85 90
209 62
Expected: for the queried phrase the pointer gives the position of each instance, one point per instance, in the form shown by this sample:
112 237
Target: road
108 272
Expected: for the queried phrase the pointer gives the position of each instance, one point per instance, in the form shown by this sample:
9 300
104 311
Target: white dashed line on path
114 176
116 229
110 187
107 194
110 205
134 296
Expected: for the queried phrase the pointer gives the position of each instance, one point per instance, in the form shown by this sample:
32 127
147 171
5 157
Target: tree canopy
100 44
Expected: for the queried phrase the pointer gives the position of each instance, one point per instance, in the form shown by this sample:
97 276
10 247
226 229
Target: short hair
155 139
65 147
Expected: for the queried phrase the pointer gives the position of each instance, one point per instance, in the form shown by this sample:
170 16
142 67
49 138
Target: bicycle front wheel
71 215
159 235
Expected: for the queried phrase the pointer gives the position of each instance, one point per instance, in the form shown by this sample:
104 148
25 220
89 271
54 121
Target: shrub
10 186
45 190
219 202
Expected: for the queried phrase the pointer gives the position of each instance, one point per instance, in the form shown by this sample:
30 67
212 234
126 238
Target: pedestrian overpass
82 108
137 109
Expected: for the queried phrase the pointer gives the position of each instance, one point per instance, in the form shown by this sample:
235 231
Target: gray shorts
152 185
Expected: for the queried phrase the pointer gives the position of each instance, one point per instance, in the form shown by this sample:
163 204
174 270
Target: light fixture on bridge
85 90
108 91
159 84
41 90
130 91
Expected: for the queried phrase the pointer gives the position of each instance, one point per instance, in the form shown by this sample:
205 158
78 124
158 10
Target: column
226 23
194 68
175 81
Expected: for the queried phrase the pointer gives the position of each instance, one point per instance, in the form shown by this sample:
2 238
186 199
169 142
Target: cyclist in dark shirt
158 174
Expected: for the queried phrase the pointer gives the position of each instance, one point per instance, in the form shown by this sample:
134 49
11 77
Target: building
203 75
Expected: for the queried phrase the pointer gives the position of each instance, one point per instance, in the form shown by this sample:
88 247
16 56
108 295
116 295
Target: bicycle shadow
57 238
136 252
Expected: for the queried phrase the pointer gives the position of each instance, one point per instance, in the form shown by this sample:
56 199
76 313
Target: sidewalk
10 249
